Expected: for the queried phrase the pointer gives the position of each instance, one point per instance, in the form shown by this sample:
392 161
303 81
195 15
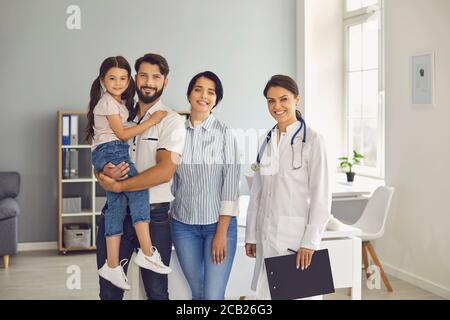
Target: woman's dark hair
211 76
154 59
96 90
285 82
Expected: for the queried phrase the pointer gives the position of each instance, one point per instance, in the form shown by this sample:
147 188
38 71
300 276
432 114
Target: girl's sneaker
153 262
115 275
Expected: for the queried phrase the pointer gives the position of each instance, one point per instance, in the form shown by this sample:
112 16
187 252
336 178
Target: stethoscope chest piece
255 167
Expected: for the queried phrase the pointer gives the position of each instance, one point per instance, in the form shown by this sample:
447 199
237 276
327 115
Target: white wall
321 69
46 67
416 245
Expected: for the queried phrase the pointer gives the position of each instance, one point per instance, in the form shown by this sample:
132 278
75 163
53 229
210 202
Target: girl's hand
219 247
304 257
108 184
157 116
250 250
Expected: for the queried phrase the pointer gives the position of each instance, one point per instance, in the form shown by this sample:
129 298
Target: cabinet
78 190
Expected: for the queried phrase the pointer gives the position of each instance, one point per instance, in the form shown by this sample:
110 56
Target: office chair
371 223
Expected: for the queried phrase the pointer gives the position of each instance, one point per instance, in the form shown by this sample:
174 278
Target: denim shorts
113 151
138 201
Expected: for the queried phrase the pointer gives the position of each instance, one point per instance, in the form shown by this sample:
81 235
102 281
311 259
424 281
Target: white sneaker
115 275
334 224
153 262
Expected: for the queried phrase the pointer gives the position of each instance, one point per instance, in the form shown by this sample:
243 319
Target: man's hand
109 184
119 172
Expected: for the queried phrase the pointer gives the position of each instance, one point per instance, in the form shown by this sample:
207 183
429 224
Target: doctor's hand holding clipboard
290 201
304 255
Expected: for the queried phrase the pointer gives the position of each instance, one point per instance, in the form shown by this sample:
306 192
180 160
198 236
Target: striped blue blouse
206 183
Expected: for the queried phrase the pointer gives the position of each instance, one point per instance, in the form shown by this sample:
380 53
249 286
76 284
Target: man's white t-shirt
170 135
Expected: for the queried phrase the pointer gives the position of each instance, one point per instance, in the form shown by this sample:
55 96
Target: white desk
350 199
361 187
344 248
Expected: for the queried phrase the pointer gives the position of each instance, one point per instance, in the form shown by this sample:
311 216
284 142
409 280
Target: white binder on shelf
65 130
74 129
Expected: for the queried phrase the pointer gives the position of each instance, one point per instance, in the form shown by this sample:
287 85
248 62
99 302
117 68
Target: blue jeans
192 243
138 201
155 284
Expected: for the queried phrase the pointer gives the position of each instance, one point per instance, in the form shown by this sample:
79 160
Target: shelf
78 146
78 180
84 213
82 187
77 248
81 214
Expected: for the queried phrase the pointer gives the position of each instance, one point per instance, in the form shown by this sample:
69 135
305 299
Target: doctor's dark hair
97 91
285 82
218 88
155 59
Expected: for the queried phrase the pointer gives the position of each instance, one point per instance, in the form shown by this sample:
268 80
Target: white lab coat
288 208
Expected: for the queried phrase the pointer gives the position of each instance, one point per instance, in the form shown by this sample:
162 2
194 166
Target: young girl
109 108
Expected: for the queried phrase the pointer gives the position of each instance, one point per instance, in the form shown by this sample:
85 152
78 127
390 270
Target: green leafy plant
346 163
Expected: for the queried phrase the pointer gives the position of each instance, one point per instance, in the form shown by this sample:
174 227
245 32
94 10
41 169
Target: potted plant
346 163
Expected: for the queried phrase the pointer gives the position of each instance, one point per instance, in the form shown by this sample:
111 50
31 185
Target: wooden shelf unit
83 186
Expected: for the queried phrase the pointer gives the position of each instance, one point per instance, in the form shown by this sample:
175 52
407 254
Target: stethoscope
256 166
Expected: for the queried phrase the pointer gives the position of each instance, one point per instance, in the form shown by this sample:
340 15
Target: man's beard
148 99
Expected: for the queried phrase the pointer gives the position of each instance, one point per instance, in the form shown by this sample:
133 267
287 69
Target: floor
44 275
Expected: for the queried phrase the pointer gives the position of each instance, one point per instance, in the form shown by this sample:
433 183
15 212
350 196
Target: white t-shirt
107 106
170 135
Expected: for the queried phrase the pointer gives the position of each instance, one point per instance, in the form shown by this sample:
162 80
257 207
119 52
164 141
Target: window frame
352 18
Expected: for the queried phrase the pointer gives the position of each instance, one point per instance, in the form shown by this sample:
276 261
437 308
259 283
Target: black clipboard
286 282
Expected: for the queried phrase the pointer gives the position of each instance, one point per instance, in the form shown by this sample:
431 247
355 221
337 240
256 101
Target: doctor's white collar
290 128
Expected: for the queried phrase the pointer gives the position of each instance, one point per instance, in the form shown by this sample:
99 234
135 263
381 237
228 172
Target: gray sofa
9 212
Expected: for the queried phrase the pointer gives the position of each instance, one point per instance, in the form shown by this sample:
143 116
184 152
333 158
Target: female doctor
289 200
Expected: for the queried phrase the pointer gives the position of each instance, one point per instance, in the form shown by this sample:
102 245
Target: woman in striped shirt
206 190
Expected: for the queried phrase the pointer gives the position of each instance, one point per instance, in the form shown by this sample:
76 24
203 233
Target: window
365 84
353 5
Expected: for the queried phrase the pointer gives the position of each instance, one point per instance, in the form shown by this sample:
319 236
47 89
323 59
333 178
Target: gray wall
45 67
